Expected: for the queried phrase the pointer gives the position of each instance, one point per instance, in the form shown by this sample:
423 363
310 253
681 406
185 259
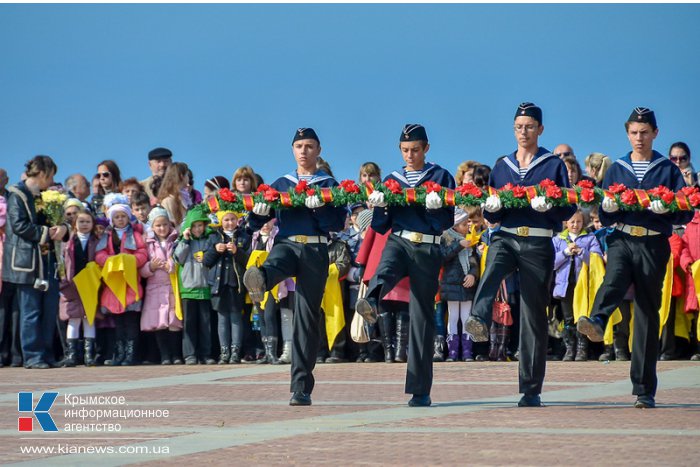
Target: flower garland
584 194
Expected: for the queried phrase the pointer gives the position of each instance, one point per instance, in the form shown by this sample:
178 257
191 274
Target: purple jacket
562 263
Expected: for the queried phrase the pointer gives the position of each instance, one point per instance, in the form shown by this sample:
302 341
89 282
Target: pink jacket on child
158 311
689 254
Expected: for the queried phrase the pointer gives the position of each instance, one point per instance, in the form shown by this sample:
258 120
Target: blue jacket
416 218
661 171
544 165
303 221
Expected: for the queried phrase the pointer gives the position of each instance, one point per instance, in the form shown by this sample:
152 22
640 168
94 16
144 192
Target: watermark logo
25 404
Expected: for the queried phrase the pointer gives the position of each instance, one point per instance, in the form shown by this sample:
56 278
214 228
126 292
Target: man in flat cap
158 161
301 251
638 251
524 244
412 250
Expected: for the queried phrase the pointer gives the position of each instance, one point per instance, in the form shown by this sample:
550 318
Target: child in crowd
689 255
78 251
158 312
141 207
122 239
194 287
458 284
573 247
226 259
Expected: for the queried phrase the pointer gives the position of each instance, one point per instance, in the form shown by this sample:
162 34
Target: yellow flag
257 258
482 263
666 294
582 307
119 272
175 283
88 283
332 305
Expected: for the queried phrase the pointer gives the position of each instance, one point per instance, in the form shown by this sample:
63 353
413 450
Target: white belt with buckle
417 237
528 231
308 239
636 231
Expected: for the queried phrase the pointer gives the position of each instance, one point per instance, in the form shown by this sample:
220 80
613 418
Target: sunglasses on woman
679 159
104 174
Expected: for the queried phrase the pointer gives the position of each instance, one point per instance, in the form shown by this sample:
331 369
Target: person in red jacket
690 253
669 350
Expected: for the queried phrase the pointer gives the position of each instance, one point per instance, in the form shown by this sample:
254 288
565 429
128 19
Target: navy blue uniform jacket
661 171
416 218
303 221
544 165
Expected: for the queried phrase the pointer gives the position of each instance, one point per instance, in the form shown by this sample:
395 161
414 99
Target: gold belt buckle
637 231
415 237
301 239
523 231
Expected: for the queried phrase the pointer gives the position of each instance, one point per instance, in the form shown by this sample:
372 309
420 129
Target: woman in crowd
170 195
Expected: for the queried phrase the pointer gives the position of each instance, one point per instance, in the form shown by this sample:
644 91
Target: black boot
264 357
235 354
175 346
439 348
164 347
569 338
225 355
89 351
71 352
607 355
493 341
401 337
503 338
581 348
118 354
384 321
129 352
271 350
621 346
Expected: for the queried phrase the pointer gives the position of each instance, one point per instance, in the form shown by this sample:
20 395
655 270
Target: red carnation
553 192
271 194
585 184
617 188
262 188
227 195
507 187
689 190
546 183
431 186
301 187
587 195
628 197
349 186
393 186
310 192
470 189
519 191
668 197
694 199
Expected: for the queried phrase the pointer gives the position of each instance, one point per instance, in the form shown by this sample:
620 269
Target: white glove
609 205
657 207
433 201
493 204
261 209
376 198
313 202
540 204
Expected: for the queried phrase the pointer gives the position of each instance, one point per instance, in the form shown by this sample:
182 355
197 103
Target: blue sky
227 85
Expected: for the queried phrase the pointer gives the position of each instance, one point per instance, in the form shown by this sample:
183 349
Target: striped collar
626 162
317 177
427 168
512 162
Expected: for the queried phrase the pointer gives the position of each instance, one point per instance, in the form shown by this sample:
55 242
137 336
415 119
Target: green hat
195 214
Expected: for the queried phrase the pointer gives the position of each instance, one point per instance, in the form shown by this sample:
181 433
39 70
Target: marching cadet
301 251
412 250
523 243
638 251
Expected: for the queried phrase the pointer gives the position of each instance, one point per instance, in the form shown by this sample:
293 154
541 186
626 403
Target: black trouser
640 261
533 257
307 262
10 349
421 263
271 318
196 340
